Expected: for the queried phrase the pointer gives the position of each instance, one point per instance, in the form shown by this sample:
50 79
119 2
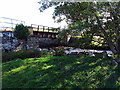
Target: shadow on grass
60 72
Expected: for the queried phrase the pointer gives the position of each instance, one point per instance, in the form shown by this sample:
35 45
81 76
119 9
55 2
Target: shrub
80 43
60 52
20 54
44 54
24 54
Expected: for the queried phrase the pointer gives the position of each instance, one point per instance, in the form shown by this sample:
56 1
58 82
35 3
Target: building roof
8 31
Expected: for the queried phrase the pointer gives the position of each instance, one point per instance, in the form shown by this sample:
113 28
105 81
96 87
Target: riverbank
61 72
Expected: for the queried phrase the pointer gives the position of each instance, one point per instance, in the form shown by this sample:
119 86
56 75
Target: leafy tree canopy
100 18
21 32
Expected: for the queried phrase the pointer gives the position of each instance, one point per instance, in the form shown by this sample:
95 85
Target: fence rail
41 28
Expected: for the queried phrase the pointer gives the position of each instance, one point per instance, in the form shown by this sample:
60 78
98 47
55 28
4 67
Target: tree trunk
106 36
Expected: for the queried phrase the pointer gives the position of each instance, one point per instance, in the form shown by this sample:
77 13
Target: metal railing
42 28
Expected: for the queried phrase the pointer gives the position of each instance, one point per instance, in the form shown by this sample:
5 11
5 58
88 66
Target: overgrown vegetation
92 18
61 72
23 54
60 52
85 43
21 32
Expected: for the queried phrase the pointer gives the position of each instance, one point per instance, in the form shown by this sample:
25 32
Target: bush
80 43
44 54
60 52
23 54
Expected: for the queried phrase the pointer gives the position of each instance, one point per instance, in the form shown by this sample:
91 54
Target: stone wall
33 42
9 43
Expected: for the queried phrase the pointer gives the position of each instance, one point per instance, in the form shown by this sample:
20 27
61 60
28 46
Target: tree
64 36
101 18
21 32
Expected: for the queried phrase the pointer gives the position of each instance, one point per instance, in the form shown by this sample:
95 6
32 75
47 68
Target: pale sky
28 11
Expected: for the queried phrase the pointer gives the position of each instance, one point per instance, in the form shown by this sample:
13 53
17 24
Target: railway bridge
44 31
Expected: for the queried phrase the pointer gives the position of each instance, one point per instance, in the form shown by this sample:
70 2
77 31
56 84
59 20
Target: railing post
48 29
43 28
38 28
43 31
52 30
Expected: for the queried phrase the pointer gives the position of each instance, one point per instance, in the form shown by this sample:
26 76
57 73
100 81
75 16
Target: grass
61 72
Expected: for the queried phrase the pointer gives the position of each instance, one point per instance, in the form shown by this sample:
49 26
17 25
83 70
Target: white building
6 34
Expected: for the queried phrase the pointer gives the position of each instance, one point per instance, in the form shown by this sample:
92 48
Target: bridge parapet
44 31
42 28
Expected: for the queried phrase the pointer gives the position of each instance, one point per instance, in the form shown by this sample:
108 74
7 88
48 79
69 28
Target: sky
28 11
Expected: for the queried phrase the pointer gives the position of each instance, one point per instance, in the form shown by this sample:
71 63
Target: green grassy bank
61 72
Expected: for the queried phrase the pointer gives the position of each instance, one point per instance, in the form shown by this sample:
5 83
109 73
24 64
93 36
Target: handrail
44 28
